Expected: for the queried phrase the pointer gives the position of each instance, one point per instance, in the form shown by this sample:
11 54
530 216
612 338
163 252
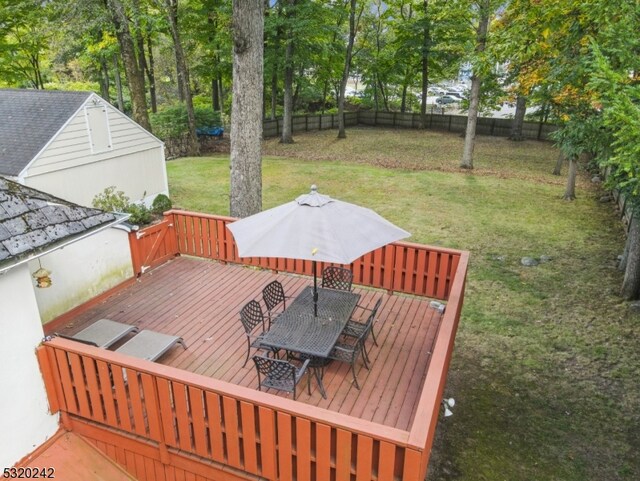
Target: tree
135 77
287 121
484 14
354 18
246 108
171 8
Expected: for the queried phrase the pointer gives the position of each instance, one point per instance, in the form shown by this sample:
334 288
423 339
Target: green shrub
111 200
161 204
171 122
140 214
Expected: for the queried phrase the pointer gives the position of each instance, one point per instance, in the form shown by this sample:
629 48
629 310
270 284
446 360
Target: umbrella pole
315 290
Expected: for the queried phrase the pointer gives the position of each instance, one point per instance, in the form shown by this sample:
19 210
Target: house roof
33 222
28 120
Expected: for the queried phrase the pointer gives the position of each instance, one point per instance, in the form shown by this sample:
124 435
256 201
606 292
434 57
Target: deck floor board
200 300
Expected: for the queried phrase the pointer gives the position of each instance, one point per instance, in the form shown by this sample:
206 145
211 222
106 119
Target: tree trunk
104 80
385 100
474 99
151 76
246 108
631 283
118 81
518 118
342 134
131 70
193 147
570 191
403 104
287 134
558 168
215 95
425 66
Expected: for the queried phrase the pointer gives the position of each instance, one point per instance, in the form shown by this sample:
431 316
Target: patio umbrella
314 227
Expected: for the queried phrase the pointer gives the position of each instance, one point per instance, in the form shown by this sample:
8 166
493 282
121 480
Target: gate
153 245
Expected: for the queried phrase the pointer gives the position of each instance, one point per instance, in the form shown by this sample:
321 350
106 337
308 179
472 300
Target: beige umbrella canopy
314 227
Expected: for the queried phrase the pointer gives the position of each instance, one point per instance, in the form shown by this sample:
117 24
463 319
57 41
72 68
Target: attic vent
98 128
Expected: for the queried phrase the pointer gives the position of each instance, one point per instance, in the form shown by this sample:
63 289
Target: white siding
140 175
72 146
82 271
25 422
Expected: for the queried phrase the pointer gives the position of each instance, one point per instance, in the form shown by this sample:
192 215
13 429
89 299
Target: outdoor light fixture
42 277
448 403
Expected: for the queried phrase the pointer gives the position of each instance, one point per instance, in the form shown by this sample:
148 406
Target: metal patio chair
337 278
252 320
102 333
273 295
349 352
355 328
279 374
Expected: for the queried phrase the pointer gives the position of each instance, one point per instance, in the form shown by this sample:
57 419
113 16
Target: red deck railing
400 266
255 433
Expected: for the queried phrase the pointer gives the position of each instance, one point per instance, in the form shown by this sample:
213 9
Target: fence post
306 123
493 124
450 118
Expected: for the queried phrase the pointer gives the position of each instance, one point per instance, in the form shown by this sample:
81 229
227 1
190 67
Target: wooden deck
200 300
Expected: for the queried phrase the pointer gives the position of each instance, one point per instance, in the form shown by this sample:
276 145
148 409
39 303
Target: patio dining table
298 330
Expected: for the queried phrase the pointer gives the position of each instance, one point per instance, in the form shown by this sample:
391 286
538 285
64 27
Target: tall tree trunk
570 191
518 118
403 105
215 95
132 72
193 146
246 108
274 93
631 283
118 80
104 80
139 39
342 134
385 100
426 40
287 134
474 100
558 168
151 75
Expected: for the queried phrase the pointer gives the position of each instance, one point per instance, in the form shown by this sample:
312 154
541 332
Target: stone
545 258
596 179
529 262
499 258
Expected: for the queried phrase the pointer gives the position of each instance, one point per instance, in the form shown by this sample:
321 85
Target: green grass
546 365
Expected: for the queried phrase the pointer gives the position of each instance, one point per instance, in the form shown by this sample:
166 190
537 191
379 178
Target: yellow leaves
546 32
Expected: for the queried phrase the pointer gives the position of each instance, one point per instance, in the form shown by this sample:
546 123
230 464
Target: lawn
546 365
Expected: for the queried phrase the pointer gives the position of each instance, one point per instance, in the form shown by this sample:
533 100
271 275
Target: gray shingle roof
32 221
28 120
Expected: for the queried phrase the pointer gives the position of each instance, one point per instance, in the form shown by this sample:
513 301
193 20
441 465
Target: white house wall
82 271
68 168
25 422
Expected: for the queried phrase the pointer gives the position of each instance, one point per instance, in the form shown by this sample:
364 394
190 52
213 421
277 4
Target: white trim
99 104
64 244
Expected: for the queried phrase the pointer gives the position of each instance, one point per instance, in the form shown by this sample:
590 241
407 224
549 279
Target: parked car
455 94
447 99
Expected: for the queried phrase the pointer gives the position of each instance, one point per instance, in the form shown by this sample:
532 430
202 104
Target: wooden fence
435 121
398 267
247 430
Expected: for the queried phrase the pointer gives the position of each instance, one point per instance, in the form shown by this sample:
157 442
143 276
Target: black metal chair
356 328
252 318
337 278
273 296
349 352
279 374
